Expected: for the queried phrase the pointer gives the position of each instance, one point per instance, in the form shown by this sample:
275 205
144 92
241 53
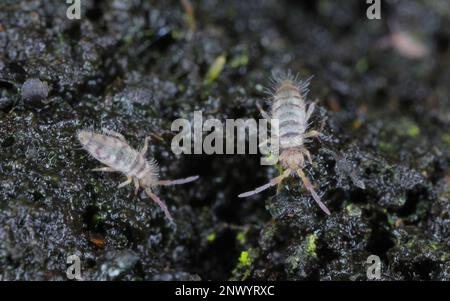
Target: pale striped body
289 109
289 122
112 150
118 155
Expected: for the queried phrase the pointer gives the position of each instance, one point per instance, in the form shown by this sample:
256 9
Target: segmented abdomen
116 154
289 109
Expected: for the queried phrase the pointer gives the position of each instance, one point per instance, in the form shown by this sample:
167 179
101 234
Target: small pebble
34 90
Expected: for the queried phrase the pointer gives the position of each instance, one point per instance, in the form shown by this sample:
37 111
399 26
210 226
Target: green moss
149 32
391 218
413 131
244 259
407 127
311 244
362 65
215 69
446 139
241 237
98 218
177 35
353 210
128 39
445 257
243 269
270 158
267 236
240 60
434 245
211 237
292 262
303 254
387 147
410 244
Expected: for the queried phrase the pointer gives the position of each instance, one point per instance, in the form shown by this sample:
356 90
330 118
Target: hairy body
112 150
289 108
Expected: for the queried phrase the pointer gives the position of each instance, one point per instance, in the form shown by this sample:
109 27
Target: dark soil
383 167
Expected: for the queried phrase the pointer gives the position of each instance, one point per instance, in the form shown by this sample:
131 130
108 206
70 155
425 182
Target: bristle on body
112 150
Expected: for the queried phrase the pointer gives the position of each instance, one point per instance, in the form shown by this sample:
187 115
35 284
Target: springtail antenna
177 181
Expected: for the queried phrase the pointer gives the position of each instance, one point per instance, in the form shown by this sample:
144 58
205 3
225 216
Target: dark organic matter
382 167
